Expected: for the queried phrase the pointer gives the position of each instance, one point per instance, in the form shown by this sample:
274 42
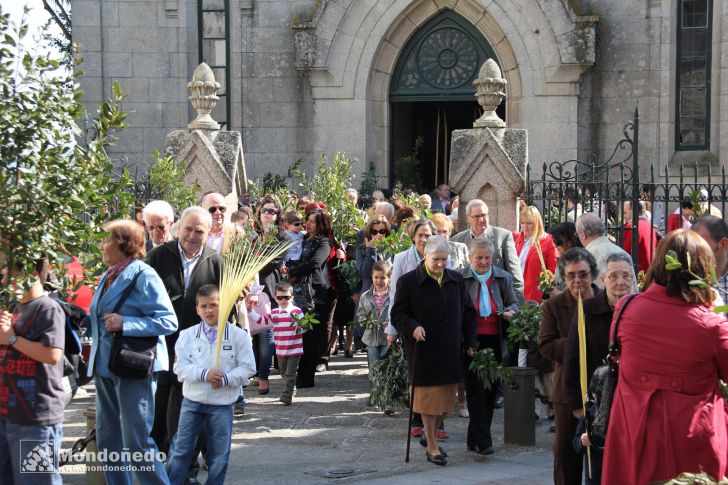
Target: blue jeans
20 442
265 353
218 421
124 418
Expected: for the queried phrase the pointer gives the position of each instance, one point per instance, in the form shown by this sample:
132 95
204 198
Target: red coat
533 264
668 414
646 243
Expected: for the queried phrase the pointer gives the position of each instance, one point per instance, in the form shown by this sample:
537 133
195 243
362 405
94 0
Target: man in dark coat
184 265
434 314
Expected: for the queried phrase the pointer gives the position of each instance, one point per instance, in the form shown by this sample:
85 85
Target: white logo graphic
39 456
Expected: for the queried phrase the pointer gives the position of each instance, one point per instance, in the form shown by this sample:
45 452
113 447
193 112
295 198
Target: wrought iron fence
566 189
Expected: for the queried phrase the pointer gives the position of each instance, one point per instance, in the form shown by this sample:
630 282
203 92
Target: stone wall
636 65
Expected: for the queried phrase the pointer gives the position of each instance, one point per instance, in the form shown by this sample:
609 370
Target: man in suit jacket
505 256
441 201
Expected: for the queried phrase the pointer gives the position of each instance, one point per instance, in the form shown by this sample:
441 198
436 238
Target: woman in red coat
668 414
531 263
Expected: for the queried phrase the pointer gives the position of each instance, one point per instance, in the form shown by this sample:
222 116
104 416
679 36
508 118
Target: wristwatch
12 340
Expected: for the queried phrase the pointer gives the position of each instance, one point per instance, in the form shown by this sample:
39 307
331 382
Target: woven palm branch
244 258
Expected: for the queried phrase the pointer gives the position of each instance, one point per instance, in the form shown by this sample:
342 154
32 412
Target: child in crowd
375 301
294 233
209 392
286 336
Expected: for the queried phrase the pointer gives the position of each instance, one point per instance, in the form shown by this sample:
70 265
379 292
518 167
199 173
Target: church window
693 75
213 24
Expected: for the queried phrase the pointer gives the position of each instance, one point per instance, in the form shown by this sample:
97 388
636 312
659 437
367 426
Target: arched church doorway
431 94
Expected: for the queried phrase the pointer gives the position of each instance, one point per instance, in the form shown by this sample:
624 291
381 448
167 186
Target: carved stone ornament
490 92
203 97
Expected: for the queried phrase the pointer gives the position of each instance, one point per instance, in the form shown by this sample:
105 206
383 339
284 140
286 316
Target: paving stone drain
340 472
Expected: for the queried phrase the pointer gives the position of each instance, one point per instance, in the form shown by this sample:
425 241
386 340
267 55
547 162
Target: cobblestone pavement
329 427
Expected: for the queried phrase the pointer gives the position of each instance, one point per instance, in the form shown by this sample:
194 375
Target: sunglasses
297 224
374 232
283 297
268 211
214 209
160 227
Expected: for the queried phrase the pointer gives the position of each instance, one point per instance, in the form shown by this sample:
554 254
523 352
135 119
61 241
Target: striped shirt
286 333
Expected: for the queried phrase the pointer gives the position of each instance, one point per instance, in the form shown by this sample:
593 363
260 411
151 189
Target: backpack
74 364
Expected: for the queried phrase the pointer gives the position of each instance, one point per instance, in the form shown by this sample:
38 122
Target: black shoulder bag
131 357
604 381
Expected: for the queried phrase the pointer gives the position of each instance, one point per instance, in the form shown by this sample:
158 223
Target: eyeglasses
216 208
374 232
266 210
296 224
159 227
283 297
581 274
614 277
479 216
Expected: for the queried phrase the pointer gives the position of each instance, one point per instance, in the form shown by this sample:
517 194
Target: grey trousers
288 367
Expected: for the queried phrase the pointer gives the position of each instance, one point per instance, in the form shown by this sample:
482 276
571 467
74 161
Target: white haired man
158 219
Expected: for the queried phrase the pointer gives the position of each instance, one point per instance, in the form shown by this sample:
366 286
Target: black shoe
348 354
481 451
499 401
423 442
437 459
552 429
335 351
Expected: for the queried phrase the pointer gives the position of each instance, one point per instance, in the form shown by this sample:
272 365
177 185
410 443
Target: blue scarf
484 306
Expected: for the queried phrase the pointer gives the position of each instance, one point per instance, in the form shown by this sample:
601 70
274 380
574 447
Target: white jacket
195 356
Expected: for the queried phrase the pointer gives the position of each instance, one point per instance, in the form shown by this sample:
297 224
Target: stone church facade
369 77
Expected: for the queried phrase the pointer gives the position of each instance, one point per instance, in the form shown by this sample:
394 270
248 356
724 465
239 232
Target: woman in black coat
314 254
434 315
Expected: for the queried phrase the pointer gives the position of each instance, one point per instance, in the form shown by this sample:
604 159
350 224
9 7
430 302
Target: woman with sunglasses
376 229
267 225
312 265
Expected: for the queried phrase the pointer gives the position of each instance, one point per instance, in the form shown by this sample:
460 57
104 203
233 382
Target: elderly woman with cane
434 314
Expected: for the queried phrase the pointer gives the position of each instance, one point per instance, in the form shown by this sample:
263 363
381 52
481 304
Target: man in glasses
505 256
158 219
221 232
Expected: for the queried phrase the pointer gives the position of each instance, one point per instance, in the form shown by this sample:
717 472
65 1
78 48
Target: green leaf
700 283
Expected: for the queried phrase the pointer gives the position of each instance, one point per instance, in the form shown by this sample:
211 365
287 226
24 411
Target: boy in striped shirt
286 336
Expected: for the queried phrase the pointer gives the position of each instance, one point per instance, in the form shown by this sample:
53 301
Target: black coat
314 254
598 318
166 261
448 316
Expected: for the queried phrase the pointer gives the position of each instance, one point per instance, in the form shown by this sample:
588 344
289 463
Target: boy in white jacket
209 392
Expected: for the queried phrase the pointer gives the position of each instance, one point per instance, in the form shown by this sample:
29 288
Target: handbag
303 294
604 383
131 357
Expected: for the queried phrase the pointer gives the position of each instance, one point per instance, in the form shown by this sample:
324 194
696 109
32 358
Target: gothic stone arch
349 50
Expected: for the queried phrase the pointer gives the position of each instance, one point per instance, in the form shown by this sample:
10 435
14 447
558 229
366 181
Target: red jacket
533 264
668 414
646 243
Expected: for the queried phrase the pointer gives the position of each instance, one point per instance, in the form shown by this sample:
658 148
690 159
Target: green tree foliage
487 368
167 181
524 325
277 184
55 193
370 182
328 185
408 170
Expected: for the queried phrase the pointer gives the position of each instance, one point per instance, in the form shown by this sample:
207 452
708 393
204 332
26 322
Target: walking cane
412 400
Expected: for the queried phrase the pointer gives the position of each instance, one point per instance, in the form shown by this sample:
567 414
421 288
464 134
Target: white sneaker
321 368
463 411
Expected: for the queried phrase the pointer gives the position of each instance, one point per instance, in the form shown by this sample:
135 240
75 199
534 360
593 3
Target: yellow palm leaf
581 327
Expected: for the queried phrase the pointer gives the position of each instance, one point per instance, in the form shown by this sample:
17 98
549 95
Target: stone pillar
488 162
215 158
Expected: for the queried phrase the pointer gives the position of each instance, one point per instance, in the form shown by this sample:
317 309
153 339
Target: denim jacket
147 311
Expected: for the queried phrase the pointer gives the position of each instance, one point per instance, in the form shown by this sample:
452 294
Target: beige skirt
435 400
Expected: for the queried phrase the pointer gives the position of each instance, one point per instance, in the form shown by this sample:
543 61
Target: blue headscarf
484 307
